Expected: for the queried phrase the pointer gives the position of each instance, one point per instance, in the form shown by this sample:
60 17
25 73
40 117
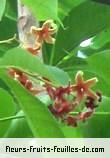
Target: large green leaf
9 20
11 9
99 63
18 128
43 10
40 120
7 109
2 8
101 39
82 23
22 59
5 34
72 63
7 105
66 6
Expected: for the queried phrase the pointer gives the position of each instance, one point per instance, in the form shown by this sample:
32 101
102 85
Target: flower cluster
43 34
63 108
65 100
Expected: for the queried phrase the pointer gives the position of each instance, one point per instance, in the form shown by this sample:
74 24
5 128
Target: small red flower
62 108
60 104
33 51
82 88
45 32
71 121
90 103
85 115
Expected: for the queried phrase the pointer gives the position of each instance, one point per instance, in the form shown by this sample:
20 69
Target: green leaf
40 120
9 20
104 106
101 39
59 75
66 6
7 105
43 10
5 33
11 10
71 132
99 63
72 63
19 128
97 127
24 60
2 8
83 22
7 109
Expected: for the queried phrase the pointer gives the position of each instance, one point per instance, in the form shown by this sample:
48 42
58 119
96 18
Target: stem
9 40
11 118
95 113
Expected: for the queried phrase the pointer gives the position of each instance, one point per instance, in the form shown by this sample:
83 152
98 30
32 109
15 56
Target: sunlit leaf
43 10
7 109
2 8
24 60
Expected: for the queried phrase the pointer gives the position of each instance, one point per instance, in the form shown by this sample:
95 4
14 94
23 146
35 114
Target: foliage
23 114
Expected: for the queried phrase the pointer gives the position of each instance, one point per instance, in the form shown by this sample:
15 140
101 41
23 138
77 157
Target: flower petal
50 40
35 30
47 24
91 82
79 77
79 97
91 94
52 31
